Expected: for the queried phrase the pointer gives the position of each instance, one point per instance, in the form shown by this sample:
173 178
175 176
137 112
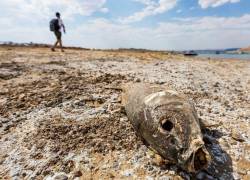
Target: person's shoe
52 49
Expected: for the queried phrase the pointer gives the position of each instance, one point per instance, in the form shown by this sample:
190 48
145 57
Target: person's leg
53 48
61 46
60 41
57 34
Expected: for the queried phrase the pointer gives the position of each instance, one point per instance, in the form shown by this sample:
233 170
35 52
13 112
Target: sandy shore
61 114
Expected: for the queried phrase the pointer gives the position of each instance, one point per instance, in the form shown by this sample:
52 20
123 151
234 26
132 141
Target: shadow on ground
221 164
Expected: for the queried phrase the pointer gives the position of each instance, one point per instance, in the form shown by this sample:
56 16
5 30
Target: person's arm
64 29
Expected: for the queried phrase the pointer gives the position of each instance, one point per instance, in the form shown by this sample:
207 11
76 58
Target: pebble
137 80
128 173
77 174
237 136
60 177
165 178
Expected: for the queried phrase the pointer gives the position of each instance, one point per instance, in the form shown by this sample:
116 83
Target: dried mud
61 115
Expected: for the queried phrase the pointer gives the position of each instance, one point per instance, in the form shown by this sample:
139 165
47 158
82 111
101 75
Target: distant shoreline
38 45
207 56
225 56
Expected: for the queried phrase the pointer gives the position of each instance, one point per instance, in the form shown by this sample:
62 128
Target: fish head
175 130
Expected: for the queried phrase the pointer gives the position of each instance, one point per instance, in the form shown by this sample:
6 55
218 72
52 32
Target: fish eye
167 125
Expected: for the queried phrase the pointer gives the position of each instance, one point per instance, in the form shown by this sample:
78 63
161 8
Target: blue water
226 56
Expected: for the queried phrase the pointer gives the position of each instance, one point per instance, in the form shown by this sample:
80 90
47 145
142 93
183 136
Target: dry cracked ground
61 115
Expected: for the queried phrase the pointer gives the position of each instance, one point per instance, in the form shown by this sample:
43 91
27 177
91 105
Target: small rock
24 174
7 127
128 173
224 143
209 124
242 171
160 82
216 98
77 174
137 80
165 178
60 177
217 84
209 110
21 97
237 136
149 178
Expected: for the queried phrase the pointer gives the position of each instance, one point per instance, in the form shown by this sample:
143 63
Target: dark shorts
58 35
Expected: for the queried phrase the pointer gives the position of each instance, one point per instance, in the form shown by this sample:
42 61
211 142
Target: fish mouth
196 159
199 160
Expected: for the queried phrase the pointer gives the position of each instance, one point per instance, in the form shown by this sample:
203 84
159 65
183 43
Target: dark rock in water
167 122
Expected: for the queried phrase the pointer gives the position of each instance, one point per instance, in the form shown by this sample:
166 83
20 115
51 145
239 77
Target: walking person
57 26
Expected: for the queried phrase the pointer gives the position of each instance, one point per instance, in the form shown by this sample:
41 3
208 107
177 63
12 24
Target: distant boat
190 53
243 52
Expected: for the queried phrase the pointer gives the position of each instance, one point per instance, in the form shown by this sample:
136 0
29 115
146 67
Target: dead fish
167 122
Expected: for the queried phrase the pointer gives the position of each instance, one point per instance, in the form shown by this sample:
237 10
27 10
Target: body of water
226 56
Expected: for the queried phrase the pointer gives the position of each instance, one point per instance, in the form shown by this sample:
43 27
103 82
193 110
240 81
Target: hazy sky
152 24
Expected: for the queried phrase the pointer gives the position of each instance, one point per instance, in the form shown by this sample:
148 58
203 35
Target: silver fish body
168 123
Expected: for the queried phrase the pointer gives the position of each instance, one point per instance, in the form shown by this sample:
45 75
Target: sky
149 24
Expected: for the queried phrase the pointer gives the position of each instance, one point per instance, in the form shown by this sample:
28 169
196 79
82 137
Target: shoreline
121 50
223 56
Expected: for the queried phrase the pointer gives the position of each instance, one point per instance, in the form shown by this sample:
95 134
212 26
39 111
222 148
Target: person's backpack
54 25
